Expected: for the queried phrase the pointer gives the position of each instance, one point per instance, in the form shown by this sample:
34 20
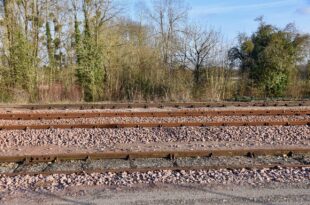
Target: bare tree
100 12
168 17
197 49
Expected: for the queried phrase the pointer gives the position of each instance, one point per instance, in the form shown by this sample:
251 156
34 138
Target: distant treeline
89 50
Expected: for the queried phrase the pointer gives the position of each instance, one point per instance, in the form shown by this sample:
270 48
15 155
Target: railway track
74 115
61 170
157 154
83 106
296 122
152 161
146 161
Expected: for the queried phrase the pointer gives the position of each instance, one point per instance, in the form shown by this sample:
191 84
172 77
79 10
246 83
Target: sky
234 16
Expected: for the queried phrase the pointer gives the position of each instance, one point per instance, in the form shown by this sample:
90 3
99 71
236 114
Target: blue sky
234 16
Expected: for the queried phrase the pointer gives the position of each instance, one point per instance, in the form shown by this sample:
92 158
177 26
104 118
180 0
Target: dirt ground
276 194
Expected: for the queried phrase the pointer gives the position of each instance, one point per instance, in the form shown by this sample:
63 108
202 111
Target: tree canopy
269 57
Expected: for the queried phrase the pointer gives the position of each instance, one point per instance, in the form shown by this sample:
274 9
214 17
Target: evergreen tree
90 70
49 46
23 74
269 57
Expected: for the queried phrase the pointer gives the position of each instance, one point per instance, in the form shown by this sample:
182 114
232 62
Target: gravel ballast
57 182
193 163
55 141
109 138
106 120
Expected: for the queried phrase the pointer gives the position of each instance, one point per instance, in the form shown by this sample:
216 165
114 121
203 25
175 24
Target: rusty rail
73 115
29 160
157 154
296 122
159 105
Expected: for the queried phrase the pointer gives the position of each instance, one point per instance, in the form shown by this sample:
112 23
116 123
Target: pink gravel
56 182
104 120
105 139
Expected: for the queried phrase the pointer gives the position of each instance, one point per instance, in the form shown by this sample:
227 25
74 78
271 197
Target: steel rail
29 160
298 122
254 152
73 115
159 105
